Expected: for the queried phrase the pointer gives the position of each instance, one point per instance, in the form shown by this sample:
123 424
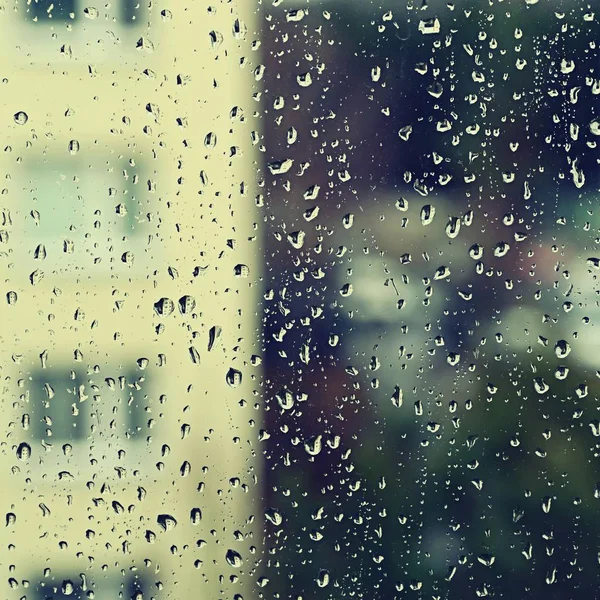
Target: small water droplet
233 377
195 516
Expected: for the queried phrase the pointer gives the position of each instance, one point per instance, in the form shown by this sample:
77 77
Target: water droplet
67 587
427 214
164 307
21 118
441 273
304 79
274 516
233 558
36 276
195 516
314 445
323 578
285 399
233 377
194 355
73 147
593 262
404 132
91 12
280 167
186 304
547 504
213 335
167 522
397 397
453 227
23 451
296 239
501 249
562 349
541 387
241 270
486 559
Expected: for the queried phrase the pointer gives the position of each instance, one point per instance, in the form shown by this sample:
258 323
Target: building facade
128 248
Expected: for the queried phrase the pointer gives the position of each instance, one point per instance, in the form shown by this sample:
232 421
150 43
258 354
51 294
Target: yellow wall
88 81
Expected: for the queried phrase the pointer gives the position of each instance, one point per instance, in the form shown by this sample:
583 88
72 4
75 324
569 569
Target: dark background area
478 484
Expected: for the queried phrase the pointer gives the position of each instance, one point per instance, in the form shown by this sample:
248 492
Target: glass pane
301 300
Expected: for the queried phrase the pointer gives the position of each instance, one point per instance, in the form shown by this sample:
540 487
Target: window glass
300 299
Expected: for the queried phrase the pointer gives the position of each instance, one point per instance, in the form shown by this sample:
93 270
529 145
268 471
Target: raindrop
167 522
562 349
23 451
214 334
73 147
233 377
195 516
323 578
186 304
233 558
427 214
274 516
541 387
314 445
21 118
164 307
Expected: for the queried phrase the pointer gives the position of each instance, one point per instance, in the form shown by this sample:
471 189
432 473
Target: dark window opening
50 10
57 411
135 401
132 12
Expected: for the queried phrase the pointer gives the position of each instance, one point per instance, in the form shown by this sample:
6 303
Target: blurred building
127 246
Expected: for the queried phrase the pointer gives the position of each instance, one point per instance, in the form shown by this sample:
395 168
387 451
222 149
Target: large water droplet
233 377
23 451
233 558
167 522
21 118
